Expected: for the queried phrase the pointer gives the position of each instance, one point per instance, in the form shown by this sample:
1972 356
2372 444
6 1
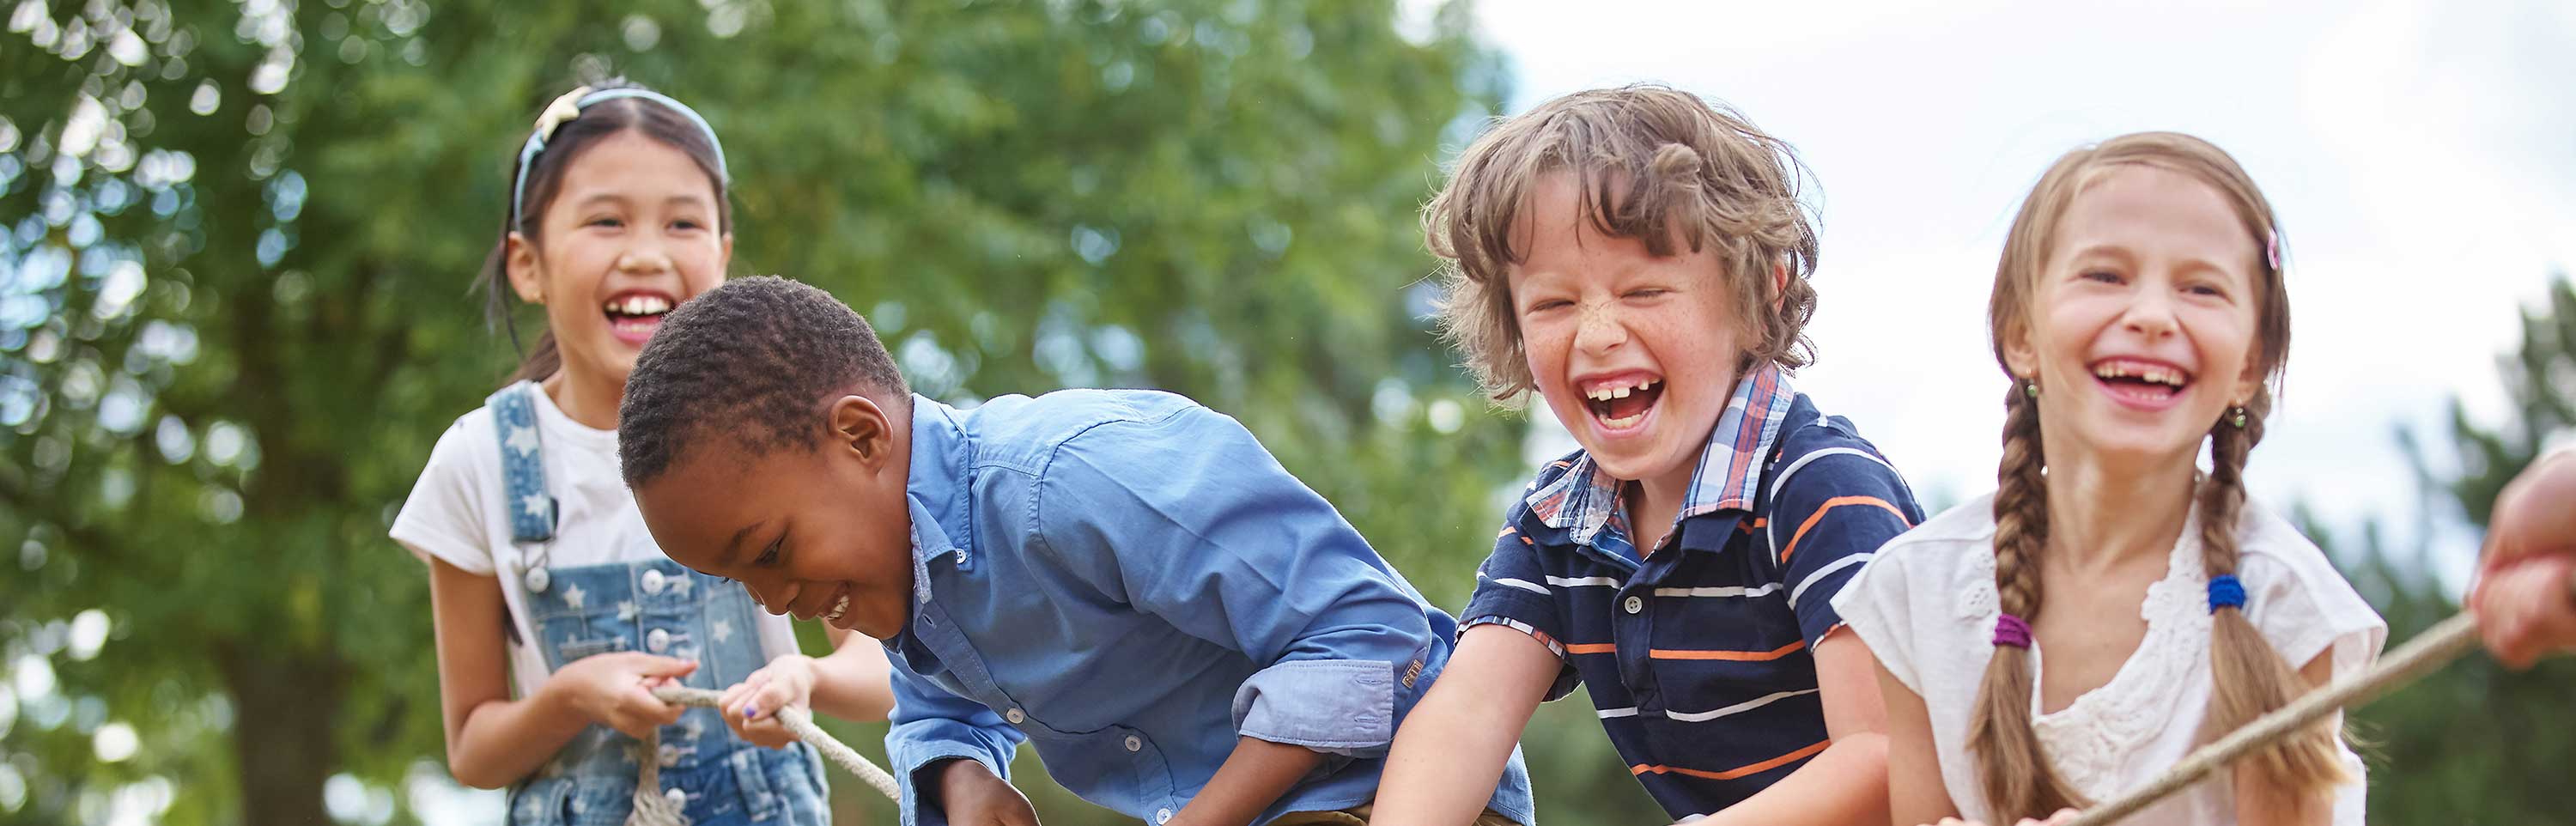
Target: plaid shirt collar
1586 499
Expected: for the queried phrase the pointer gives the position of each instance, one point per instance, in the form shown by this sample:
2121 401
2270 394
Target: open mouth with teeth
2141 381
633 315
1622 403
839 607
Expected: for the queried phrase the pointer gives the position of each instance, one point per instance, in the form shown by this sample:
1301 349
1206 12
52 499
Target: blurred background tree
236 241
2474 743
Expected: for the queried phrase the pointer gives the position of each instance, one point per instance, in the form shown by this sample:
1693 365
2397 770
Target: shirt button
1636 605
1162 816
678 797
653 582
657 641
1134 744
1015 716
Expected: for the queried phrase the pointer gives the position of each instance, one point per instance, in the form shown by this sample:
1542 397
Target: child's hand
2527 607
2522 598
616 690
972 796
751 706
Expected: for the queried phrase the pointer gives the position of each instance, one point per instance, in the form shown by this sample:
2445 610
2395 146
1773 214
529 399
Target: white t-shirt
1926 607
456 514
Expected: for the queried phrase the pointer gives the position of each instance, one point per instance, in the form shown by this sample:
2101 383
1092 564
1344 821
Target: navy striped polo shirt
1698 654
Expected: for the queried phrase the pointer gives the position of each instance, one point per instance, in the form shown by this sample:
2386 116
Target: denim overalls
659 607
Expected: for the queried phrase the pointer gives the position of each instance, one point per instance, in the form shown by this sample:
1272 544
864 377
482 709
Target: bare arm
850 683
1847 782
1914 792
1252 778
492 740
490 737
1453 747
2258 802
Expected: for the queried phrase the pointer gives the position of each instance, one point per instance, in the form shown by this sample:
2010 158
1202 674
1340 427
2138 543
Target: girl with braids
2113 605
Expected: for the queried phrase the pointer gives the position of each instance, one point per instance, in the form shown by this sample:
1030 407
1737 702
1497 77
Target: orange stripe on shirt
1592 648
1739 771
1731 656
1831 504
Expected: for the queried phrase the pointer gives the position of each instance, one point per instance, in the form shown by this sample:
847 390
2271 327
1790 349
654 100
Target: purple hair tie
2010 630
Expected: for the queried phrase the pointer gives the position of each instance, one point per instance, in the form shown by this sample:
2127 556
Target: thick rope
651 808
2428 651
2419 656
800 723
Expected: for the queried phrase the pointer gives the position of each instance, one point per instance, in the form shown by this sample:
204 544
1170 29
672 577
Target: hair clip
562 111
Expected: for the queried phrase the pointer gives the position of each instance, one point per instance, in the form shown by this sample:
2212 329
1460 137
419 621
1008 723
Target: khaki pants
1359 816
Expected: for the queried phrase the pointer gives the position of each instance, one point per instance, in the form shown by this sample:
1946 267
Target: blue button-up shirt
1131 582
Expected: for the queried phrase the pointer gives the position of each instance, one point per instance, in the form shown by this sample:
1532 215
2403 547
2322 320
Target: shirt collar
935 491
1586 499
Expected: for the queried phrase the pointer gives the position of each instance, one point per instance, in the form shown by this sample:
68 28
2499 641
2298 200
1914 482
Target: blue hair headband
568 107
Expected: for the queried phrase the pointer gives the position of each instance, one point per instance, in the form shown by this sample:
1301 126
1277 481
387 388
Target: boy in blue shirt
1639 258
1189 634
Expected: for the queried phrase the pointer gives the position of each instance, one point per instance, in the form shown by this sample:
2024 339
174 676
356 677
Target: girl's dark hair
596 122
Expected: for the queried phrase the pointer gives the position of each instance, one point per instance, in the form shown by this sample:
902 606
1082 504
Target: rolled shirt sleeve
1188 518
931 726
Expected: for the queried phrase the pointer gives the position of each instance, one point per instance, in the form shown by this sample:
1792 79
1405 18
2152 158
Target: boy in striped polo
1639 257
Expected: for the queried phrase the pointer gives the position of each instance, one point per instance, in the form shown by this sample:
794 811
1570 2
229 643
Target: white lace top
1926 606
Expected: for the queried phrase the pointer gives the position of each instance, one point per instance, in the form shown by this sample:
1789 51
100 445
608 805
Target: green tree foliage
236 241
2473 743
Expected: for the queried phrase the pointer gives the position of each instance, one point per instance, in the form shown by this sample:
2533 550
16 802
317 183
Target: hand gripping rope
2422 655
652 809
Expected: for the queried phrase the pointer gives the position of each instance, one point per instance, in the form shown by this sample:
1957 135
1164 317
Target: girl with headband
556 613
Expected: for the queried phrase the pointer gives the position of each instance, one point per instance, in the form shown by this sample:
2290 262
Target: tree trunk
284 709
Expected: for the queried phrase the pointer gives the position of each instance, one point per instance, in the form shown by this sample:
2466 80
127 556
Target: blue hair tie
2225 592
569 107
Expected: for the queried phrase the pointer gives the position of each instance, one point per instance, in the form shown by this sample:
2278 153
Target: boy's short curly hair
1651 163
751 362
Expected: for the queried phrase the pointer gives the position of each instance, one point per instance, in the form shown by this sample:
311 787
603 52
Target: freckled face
1636 354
